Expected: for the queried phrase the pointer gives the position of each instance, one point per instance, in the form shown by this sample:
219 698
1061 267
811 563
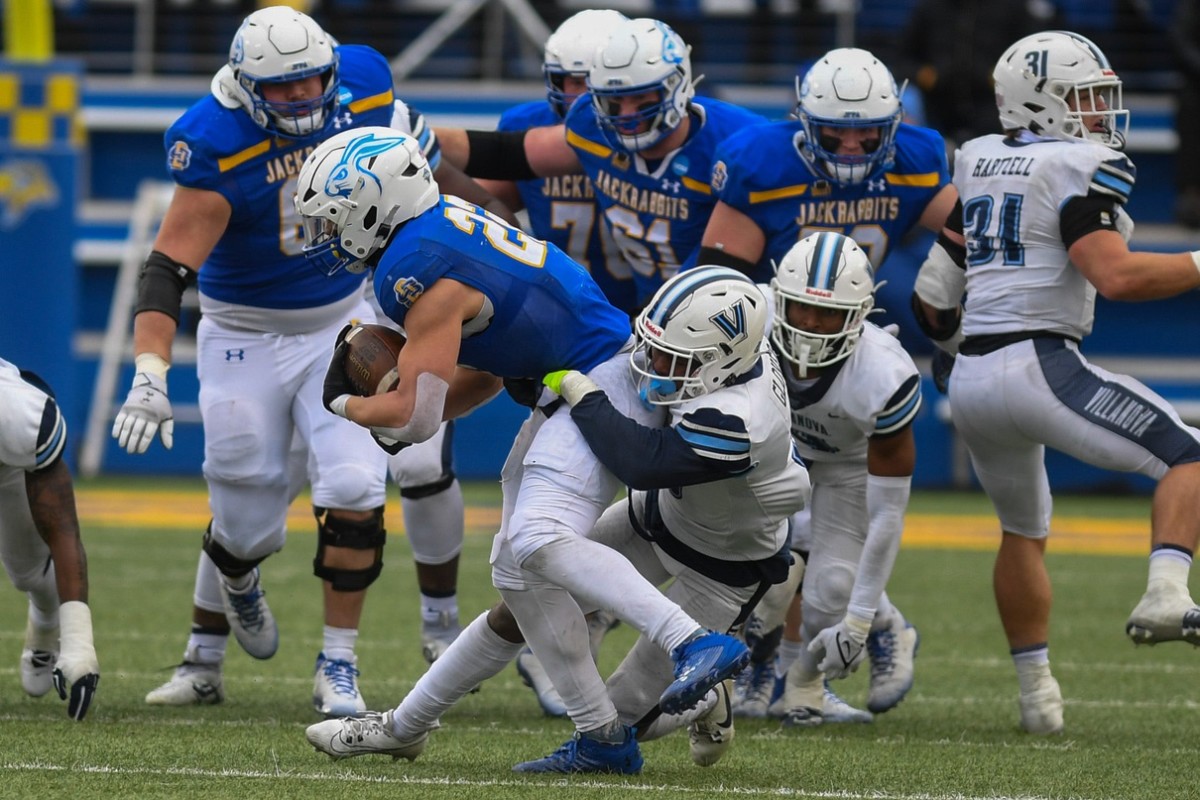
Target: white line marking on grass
573 783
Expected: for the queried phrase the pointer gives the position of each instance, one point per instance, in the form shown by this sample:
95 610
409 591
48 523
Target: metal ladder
149 206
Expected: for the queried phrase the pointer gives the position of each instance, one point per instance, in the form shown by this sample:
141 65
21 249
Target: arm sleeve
887 498
705 446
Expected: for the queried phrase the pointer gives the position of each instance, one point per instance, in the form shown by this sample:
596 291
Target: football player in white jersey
712 493
854 393
1041 229
268 317
40 545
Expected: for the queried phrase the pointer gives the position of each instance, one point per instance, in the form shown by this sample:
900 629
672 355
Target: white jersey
876 390
32 431
742 517
1013 192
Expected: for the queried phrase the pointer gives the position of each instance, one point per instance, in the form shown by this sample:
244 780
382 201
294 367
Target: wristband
152 363
338 405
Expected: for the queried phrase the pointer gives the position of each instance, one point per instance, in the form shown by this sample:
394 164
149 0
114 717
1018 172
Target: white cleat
369 734
755 689
1042 709
437 636
835 709
192 685
250 618
37 659
1165 613
534 676
335 687
891 652
710 736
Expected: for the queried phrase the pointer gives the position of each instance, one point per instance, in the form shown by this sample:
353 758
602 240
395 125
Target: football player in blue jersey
480 302
847 163
40 545
563 209
261 356
644 139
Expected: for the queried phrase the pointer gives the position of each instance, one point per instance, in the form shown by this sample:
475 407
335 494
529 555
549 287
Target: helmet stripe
685 284
827 255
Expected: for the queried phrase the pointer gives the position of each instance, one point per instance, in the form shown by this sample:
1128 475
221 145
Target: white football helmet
847 88
571 49
1054 83
829 271
642 55
710 321
275 45
353 191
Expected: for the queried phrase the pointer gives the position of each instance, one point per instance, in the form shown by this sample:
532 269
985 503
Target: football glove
337 389
388 444
571 385
77 671
524 391
844 647
146 412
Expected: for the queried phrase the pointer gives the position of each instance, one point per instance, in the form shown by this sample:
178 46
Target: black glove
941 366
337 383
82 692
524 391
388 445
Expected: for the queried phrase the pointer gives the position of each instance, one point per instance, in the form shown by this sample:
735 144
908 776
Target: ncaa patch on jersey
180 157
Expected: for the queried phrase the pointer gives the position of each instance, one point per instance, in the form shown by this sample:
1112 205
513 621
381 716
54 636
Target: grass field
1131 714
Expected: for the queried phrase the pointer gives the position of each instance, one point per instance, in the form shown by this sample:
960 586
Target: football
371 352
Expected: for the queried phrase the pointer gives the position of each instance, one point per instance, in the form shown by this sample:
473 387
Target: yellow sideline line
188 511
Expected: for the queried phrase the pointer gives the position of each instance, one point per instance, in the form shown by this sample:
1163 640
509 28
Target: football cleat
755 689
1042 709
1165 613
835 709
712 734
335 687
803 717
534 676
584 754
192 684
250 618
37 659
369 734
891 652
700 664
437 635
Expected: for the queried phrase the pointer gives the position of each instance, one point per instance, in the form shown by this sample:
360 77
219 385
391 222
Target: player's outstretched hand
76 671
146 412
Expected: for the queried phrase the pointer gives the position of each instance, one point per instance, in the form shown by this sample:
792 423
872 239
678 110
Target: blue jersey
563 211
656 210
760 173
546 312
258 260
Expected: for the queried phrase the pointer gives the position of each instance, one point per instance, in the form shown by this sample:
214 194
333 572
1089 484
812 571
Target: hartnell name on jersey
639 199
1009 165
568 187
288 165
1121 410
848 212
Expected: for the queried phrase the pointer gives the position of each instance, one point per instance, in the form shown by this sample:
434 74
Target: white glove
844 646
76 671
147 410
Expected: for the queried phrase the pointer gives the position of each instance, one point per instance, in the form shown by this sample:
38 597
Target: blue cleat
700 664
584 754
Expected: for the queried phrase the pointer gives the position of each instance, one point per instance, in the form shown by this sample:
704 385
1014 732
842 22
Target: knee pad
225 561
350 485
336 532
827 587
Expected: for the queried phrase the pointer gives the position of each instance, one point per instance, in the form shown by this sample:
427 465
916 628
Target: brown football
371 352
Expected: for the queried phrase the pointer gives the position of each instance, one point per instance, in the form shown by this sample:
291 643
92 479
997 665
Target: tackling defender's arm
500 155
731 239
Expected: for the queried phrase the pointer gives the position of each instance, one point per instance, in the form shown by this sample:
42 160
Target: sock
1170 563
789 651
339 643
206 645
610 733
1033 665
432 608
476 655
239 584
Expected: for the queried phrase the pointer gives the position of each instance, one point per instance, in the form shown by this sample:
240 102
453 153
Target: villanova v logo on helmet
731 321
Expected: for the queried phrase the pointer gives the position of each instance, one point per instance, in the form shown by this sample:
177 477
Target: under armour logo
877 185
342 120
670 186
235 355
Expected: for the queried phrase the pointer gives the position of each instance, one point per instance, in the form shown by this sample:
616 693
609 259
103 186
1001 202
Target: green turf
1131 712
